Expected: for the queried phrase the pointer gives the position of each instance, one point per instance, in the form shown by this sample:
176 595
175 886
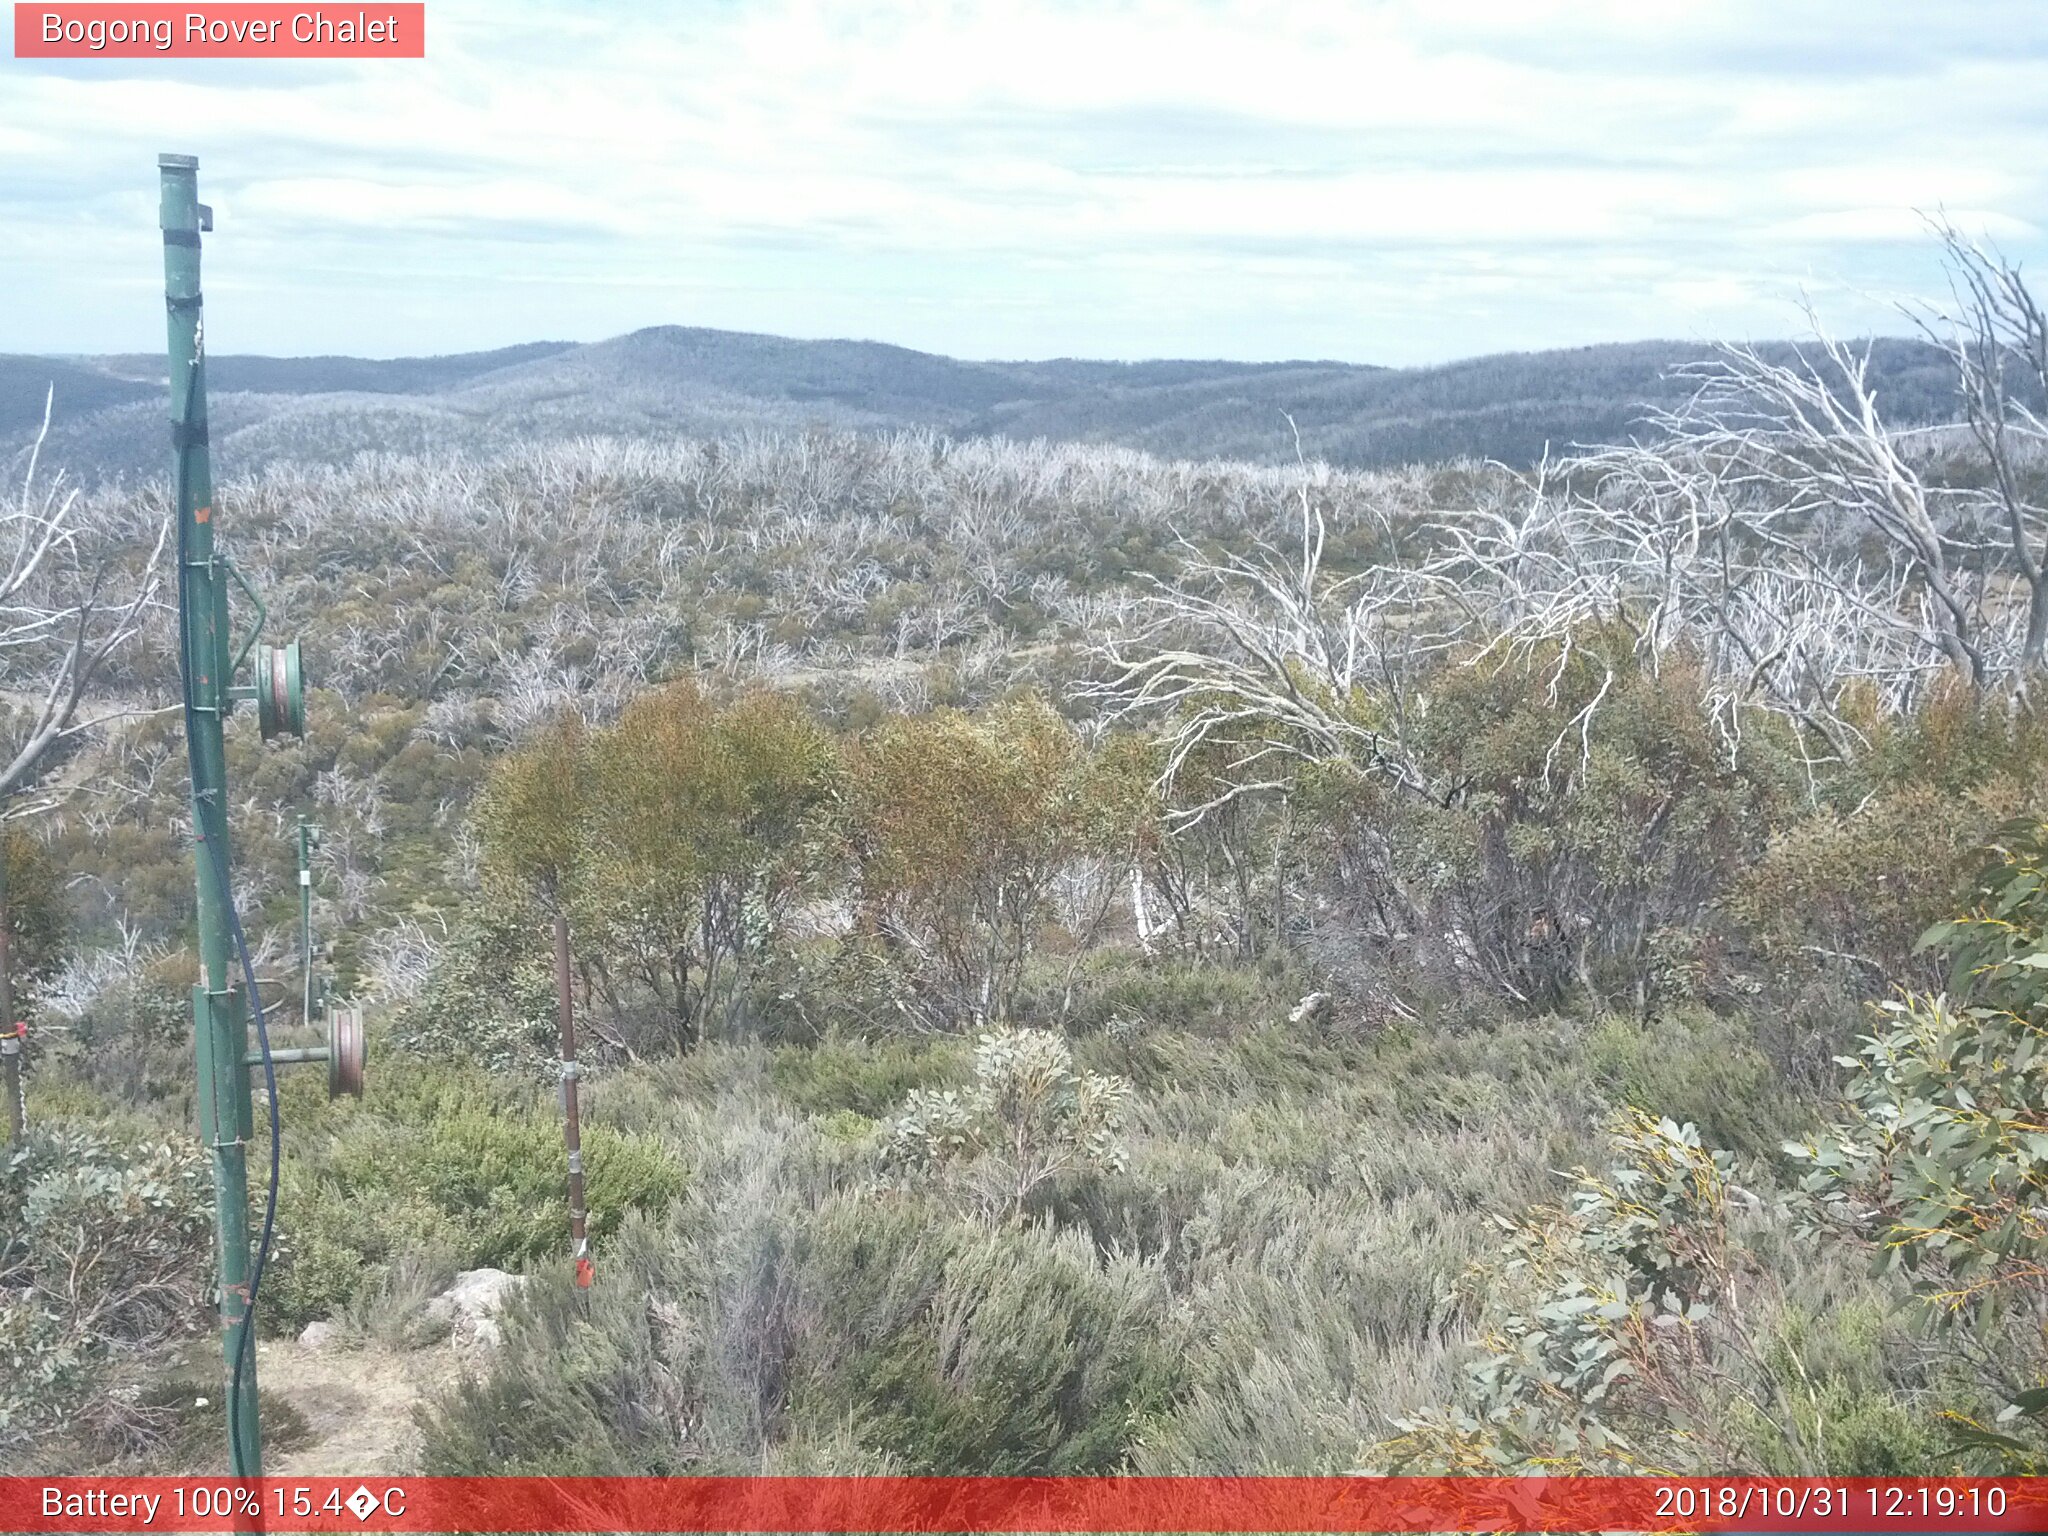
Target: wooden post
10 1037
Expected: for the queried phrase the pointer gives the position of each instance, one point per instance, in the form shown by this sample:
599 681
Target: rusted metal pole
10 1037
10 1082
572 1126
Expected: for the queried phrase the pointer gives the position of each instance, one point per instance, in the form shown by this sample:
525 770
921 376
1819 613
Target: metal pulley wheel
345 1050
280 691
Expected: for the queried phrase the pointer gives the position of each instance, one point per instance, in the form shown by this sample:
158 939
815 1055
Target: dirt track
358 1405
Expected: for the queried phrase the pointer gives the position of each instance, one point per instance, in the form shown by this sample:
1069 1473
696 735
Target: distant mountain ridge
684 380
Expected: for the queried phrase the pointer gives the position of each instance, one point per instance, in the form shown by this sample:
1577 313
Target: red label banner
241 31
1011 1504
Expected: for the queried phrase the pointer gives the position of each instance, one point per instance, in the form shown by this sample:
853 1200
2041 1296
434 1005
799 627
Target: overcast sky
1377 182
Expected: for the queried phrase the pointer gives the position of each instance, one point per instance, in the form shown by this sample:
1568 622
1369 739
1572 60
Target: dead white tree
1684 547
1253 663
72 593
1774 527
1802 449
1996 338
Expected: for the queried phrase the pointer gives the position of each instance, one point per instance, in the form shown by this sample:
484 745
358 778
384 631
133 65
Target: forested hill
675 379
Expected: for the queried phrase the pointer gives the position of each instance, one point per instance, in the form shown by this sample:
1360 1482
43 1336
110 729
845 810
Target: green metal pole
220 1026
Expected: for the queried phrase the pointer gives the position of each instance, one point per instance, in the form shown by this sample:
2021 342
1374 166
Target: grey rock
1317 1008
470 1306
476 1293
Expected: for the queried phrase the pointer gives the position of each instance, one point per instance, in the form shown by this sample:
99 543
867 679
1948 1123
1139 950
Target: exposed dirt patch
358 1405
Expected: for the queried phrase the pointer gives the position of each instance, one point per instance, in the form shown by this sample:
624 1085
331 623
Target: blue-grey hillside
670 380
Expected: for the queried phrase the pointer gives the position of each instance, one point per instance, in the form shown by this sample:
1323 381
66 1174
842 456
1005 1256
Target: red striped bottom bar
883 1504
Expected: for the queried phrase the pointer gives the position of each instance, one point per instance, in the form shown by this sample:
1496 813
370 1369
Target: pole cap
177 162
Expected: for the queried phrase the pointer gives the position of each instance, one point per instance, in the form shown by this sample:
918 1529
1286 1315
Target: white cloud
1029 177
1899 222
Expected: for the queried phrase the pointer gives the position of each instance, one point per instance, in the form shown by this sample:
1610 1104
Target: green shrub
1666 1319
130 1041
867 1078
334 1246
1594 809
566 1396
1031 1358
964 825
1942 1162
1115 989
1028 1120
1697 1068
442 1161
490 1000
1832 895
38 923
851 1334
105 1246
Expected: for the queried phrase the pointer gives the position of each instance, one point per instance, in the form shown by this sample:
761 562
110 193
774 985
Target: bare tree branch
71 595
